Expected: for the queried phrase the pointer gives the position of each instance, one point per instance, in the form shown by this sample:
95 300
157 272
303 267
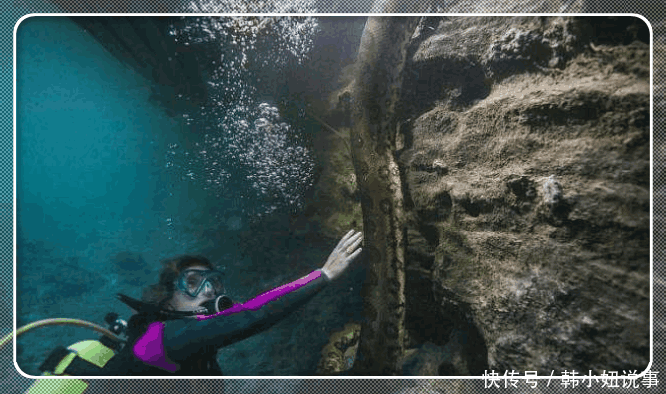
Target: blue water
90 148
88 143
110 182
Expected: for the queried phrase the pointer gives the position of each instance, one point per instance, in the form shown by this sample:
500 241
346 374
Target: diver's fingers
344 242
344 239
353 239
355 244
355 254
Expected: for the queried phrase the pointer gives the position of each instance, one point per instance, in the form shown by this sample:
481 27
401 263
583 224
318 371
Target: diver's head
186 282
195 286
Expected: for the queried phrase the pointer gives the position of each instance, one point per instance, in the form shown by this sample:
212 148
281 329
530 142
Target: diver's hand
347 250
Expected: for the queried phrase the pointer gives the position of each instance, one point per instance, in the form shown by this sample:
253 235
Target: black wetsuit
191 344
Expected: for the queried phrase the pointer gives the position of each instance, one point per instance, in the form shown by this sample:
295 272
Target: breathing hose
59 322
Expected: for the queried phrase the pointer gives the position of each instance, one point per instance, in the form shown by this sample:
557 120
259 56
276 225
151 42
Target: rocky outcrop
524 148
144 44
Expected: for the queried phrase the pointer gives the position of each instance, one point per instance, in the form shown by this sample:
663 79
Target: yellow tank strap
93 352
47 373
63 364
58 386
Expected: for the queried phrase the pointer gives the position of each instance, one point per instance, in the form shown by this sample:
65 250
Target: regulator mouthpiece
218 305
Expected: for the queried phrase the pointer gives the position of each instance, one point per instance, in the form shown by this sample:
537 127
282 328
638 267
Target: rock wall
528 176
144 44
524 149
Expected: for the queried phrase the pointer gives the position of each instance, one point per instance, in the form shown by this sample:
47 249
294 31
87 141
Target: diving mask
194 281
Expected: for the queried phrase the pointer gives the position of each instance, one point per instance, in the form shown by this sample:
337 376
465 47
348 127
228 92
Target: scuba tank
73 360
87 358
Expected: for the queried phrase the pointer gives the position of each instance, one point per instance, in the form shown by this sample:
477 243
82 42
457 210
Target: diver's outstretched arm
165 344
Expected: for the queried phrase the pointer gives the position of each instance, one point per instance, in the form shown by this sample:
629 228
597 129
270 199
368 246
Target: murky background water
113 177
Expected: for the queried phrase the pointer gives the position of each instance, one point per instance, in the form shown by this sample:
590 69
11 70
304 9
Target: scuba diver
165 342
186 317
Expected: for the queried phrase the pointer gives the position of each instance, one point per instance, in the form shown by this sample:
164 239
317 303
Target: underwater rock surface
526 164
552 270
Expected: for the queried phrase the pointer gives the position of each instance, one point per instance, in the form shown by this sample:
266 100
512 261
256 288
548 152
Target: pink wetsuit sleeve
150 347
264 298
